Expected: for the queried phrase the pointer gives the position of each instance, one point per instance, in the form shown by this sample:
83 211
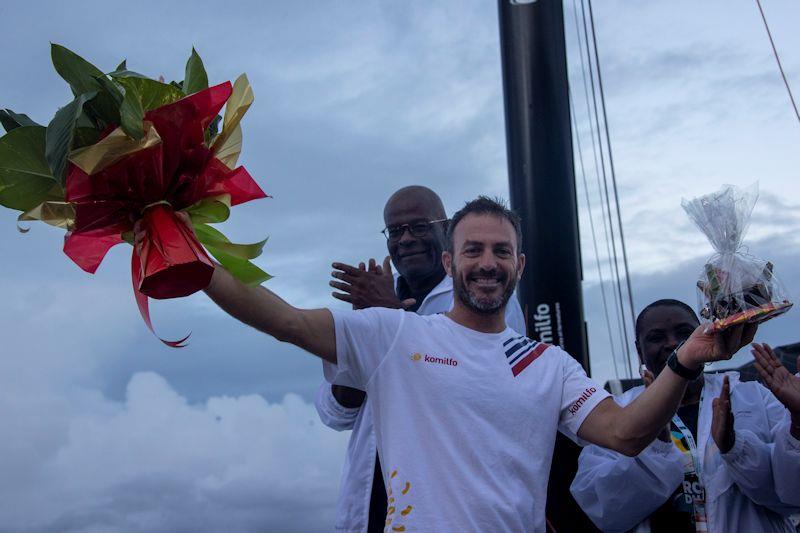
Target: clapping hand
367 285
722 421
780 381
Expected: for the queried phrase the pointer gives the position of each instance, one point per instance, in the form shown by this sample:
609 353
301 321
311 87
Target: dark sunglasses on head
417 229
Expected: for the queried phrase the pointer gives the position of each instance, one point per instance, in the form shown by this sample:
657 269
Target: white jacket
786 463
355 488
619 493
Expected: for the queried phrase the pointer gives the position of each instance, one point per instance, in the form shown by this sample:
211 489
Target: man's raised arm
630 429
309 329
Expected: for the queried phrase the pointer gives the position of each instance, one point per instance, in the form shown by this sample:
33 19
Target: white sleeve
363 338
786 465
331 412
579 395
607 483
749 464
514 317
750 461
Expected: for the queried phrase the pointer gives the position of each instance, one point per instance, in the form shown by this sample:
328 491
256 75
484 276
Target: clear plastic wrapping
734 287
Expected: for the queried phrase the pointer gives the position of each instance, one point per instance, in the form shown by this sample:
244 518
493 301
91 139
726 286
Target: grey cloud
351 103
157 463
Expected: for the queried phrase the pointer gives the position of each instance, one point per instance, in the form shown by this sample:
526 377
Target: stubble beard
479 304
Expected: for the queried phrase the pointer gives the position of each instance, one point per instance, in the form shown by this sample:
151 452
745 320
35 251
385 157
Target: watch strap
678 368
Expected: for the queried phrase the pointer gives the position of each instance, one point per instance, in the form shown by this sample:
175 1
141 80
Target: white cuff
791 442
660 447
737 451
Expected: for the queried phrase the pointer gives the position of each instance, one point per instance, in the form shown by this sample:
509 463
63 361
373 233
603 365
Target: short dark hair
665 302
483 205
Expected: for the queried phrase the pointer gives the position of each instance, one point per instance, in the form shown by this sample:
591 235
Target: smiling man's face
484 264
415 257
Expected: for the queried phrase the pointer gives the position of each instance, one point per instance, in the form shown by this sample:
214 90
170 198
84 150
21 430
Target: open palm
702 347
784 385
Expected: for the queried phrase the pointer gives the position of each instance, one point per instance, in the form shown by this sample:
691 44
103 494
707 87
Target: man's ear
447 262
520 266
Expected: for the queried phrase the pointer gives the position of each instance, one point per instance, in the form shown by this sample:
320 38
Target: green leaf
84 136
82 78
111 88
85 121
241 269
79 73
25 178
196 78
234 257
213 129
123 65
11 120
212 237
131 113
152 93
124 73
209 211
60 133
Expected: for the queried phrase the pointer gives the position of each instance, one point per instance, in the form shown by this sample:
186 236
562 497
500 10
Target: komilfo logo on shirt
432 359
580 401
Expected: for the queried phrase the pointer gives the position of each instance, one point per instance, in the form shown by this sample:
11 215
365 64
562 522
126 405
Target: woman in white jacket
711 470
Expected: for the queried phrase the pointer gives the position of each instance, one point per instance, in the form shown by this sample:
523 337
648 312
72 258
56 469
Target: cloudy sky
105 429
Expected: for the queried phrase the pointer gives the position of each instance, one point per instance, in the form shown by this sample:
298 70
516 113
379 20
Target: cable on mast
778 60
620 299
586 192
594 238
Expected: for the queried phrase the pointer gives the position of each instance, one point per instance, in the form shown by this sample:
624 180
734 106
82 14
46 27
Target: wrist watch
678 368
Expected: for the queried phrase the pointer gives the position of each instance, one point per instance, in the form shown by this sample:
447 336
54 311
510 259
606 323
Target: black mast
542 186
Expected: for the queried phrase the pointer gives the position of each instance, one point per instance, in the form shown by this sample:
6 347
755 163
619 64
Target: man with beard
466 410
695 476
415 238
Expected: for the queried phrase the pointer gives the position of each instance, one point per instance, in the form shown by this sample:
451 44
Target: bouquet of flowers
129 149
734 287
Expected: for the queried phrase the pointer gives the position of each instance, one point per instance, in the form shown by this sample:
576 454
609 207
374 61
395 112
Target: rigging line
586 191
591 225
594 140
600 168
626 344
606 217
613 173
778 60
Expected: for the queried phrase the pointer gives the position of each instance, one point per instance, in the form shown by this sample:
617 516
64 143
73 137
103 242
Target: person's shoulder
429 318
370 314
557 354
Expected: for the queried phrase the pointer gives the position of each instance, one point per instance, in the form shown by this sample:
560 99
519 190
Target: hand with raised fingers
784 385
722 421
365 286
701 348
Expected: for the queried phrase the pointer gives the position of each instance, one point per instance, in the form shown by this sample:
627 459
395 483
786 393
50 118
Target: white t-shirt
465 421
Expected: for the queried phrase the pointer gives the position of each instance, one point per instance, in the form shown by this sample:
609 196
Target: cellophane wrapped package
734 286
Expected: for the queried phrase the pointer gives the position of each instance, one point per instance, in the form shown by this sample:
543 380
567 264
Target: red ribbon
151 185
